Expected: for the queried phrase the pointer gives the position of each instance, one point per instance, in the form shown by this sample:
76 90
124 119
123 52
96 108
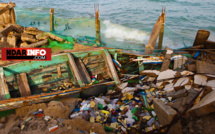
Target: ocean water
124 23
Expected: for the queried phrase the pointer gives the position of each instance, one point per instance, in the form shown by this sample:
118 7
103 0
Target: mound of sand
83 125
57 109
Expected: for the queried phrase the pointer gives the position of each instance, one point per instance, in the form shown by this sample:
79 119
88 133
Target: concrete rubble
143 106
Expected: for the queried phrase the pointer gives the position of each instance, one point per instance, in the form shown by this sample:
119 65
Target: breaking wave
122 33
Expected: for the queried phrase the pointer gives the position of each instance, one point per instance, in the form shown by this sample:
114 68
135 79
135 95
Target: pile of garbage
156 102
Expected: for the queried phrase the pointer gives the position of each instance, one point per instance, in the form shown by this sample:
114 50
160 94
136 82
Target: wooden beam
83 71
75 70
4 9
23 85
160 41
112 67
4 91
37 44
8 29
29 100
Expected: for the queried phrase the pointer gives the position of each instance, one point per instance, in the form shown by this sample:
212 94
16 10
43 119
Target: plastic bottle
151 121
130 121
114 119
75 115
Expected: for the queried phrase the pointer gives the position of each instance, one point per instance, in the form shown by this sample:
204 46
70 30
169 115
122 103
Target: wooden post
153 37
166 61
4 91
112 67
97 23
52 19
160 42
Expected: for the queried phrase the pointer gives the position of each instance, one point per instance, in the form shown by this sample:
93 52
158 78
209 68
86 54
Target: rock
34 125
165 115
191 130
205 106
200 80
57 109
2 125
121 86
184 101
71 102
166 74
185 72
14 130
191 67
17 123
178 94
181 82
211 83
177 103
169 87
199 121
205 67
43 125
191 94
3 120
153 73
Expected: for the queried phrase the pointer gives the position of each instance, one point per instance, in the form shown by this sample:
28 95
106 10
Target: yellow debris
92 119
98 118
147 117
152 89
105 112
129 96
113 125
92 103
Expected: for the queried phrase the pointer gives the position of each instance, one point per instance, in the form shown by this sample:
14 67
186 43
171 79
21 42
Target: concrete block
205 106
165 115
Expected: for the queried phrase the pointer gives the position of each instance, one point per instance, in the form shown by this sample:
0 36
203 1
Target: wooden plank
107 66
201 37
29 100
112 67
4 92
75 70
26 66
37 44
166 61
59 72
160 41
23 85
83 71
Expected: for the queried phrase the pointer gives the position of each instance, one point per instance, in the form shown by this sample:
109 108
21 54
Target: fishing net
82 30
